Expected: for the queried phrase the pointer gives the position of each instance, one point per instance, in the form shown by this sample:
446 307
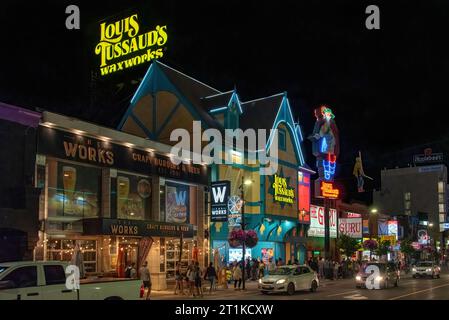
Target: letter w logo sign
219 193
181 198
219 201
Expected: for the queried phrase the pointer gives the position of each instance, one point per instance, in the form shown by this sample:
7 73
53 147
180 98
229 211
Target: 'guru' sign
122 47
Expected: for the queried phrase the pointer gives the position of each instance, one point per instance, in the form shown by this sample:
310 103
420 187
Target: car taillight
142 290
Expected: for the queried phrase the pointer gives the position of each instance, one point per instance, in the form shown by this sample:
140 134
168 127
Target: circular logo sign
234 205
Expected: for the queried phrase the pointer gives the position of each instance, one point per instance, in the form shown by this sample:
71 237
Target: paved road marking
410 294
357 296
341 293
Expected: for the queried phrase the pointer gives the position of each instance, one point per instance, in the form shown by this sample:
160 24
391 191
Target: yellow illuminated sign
282 192
328 191
122 47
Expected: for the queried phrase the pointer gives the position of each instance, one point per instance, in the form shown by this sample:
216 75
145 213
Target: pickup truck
46 280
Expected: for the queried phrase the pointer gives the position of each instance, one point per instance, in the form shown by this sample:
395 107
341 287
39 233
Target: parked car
47 281
289 279
389 274
426 269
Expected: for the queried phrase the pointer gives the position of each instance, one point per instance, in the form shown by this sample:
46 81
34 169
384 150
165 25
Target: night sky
388 87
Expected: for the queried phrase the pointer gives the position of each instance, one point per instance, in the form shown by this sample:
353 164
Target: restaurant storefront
118 198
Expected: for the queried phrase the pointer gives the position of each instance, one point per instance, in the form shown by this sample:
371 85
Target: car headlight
379 278
358 278
414 269
428 270
281 281
260 280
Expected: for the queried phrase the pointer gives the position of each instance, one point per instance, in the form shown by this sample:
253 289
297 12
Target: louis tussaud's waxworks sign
122 45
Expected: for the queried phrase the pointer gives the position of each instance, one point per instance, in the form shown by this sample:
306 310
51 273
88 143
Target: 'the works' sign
220 195
122 47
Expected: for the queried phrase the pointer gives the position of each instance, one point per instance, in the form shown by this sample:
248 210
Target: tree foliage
347 244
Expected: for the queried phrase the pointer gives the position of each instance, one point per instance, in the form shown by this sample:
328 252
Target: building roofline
268 97
216 95
196 80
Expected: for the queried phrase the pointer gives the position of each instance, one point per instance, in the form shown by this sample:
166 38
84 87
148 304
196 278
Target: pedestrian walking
146 279
179 280
248 268
191 275
261 269
254 268
237 276
271 265
198 283
314 265
210 275
336 266
321 268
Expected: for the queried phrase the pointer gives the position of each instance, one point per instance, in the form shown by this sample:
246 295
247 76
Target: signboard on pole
352 227
317 222
220 191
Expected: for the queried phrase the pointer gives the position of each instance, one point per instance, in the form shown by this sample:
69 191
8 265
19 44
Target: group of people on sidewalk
334 269
192 279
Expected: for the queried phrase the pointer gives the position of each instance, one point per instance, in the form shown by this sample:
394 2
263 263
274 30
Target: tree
407 248
383 248
370 245
347 245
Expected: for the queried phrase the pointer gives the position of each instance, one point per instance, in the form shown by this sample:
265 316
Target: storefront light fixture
431 224
76 131
374 210
248 182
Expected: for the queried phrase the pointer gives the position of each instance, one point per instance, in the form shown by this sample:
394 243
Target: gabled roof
216 101
191 88
160 76
260 113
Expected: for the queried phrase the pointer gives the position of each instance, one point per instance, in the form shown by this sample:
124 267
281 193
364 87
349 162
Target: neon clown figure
325 142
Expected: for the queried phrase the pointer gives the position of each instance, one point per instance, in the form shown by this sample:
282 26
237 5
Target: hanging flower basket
233 243
370 244
251 239
236 238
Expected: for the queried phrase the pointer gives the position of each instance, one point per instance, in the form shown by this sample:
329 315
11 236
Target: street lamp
246 182
373 211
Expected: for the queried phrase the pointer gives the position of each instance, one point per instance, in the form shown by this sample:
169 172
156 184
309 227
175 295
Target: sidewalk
219 292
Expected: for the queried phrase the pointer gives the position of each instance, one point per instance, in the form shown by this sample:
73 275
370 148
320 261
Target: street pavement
342 289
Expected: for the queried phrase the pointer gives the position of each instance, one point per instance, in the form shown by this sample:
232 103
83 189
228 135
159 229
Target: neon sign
328 191
121 39
329 166
282 193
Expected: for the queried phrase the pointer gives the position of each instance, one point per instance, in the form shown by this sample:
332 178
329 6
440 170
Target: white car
289 279
38 280
426 269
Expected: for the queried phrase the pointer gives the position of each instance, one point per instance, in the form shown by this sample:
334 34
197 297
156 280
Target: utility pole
327 249
243 228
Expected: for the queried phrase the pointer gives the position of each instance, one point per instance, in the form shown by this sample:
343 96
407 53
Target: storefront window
73 190
64 249
172 256
133 197
177 203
